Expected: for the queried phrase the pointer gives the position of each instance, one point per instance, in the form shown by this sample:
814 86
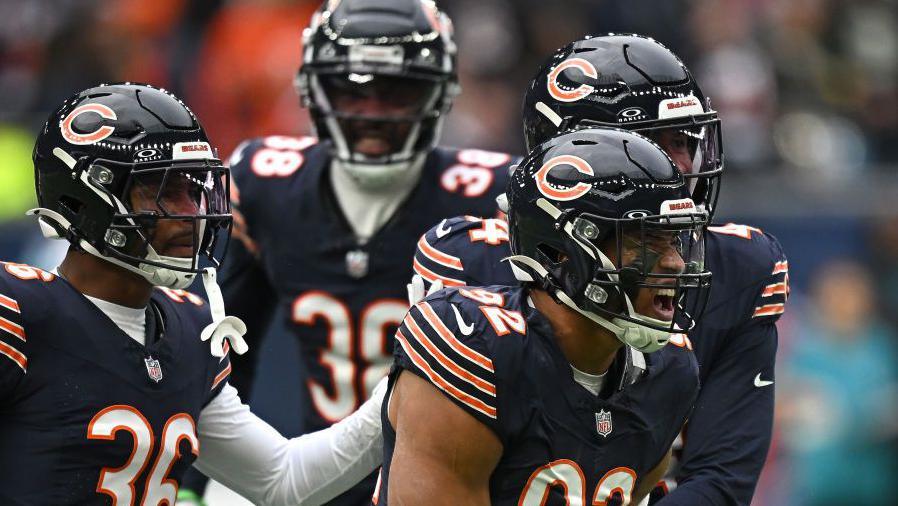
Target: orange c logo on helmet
577 93
574 192
89 138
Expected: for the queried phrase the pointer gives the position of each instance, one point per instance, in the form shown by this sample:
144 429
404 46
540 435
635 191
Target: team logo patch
565 94
603 423
357 263
192 151
154 369
73 137
556 192
679 107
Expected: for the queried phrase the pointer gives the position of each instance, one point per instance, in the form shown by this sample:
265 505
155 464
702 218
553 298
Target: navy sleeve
728 435
13 343
457 364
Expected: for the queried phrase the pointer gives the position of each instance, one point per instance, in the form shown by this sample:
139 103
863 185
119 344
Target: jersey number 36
118 482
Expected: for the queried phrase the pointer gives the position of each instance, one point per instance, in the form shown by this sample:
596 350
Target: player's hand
416 291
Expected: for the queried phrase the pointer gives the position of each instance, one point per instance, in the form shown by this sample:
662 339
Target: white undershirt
367 210
591 382
246 454
132 321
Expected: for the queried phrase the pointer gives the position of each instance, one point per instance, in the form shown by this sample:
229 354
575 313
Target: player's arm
443 455
647 482
729 431
252 458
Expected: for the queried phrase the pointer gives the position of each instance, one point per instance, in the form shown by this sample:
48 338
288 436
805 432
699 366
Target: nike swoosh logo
465 328
761 383
442 231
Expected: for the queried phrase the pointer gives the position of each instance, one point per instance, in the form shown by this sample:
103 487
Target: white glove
416 292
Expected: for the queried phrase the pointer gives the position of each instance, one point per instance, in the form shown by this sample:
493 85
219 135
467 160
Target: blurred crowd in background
808 95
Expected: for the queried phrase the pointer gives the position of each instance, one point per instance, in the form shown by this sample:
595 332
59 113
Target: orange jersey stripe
455 369
781 267
769 309
431 276
14 355
8 303
451 340
438 256
439 382
12 328
774 289
221 376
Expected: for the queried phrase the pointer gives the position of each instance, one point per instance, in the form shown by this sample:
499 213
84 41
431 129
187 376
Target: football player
107 392
636 83
327 225
560 390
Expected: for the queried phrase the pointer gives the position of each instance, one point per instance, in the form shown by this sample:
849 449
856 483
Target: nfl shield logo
357 263
154 369
603 423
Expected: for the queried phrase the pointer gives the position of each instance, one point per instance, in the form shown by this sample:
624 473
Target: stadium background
808 95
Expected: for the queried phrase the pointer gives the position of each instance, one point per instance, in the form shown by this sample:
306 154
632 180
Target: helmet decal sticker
94 137
563 95
572 193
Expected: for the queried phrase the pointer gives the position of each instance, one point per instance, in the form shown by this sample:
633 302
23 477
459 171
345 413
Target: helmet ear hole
549 254
70 205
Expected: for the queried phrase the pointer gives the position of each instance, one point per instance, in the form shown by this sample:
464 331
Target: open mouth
663 303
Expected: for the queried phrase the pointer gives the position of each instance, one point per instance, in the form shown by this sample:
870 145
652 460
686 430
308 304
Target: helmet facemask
642 277
161 216
377 120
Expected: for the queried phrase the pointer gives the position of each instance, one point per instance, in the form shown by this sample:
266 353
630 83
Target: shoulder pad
471 173
186 302
449 339
465 251
761 262
20 286
275 156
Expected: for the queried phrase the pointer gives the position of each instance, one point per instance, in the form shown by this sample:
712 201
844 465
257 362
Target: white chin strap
642 338
222 326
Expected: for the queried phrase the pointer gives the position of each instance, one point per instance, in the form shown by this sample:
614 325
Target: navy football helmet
115 161
378 77
633 82
603 220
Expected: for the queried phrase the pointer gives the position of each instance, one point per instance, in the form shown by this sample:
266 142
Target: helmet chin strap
222 326
644 339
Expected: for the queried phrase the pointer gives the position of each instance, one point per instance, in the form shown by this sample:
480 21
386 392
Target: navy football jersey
341 299
735 344
495 356
87 414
